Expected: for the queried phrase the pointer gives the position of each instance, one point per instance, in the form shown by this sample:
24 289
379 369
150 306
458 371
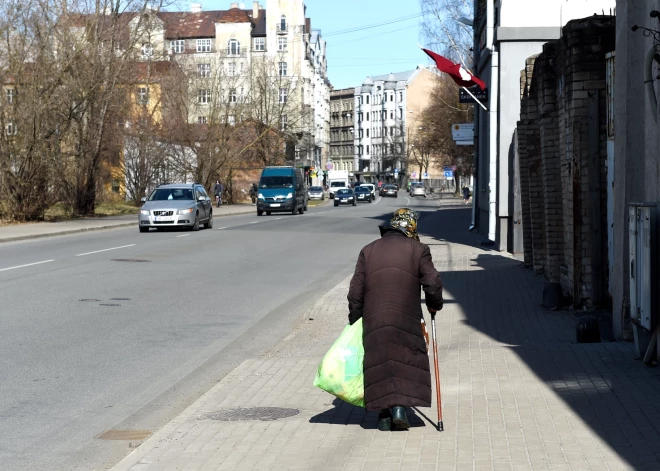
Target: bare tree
444 30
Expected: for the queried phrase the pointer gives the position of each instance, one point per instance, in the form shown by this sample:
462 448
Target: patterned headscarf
405 220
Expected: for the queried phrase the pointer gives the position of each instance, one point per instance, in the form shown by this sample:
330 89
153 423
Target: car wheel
260 213
144 229
268 213
294 211
354 203
195 227
396 195
301 210
336 204
209 223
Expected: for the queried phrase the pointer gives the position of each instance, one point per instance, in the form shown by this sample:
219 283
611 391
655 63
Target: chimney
233 5
255 9
196 7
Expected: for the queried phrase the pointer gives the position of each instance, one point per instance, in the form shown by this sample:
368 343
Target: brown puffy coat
385 292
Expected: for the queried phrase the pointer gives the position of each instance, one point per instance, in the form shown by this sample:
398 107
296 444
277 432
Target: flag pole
475 98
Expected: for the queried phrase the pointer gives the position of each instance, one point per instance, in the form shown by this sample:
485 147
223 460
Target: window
400 96
204 96
282 69
367 116
233 47
232 96
391 114
231 119
178 46
282 44
284 122
142 95
202 120
204 70
367 133
282 26
203 45
259 44
232 69
284 95
11 93
10 129
391 96
367 149
367 99
400 113
147 50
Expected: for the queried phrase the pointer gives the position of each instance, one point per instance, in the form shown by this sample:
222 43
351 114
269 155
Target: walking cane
437 376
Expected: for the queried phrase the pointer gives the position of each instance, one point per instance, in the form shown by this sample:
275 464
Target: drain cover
103 304
253 413
89 300
137 260
120 299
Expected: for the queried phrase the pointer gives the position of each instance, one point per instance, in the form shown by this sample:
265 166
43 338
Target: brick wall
525 81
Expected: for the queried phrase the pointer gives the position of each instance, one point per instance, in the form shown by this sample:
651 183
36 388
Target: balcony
282 29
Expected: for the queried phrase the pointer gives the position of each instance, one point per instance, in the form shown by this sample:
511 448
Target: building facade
342 152
322 89
506 33
385 119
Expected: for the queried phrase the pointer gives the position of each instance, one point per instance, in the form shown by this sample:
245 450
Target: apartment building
342 153
384 122
263 64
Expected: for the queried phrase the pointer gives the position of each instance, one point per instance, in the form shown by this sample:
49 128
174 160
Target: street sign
396 171
464 143
464 97
463 132
413 175
425 176
447 169
449 175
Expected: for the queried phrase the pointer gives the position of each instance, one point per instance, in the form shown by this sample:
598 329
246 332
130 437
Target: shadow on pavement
344 413
614 395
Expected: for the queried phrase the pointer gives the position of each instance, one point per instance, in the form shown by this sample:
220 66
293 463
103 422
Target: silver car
316 193
182 205
417 189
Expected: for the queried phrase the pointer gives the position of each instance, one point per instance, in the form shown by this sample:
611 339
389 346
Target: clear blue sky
375 51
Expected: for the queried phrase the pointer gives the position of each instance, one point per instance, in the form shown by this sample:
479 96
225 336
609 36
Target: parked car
362 193
389 190
281 189
372 188
316 193
176 205
417 189
345 196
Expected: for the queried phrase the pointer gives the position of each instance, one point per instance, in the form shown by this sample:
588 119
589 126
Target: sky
354 56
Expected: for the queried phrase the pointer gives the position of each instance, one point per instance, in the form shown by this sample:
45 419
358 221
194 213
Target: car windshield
389 187
284 181
164 194
362 189
338 184
315 188
418 185
344 192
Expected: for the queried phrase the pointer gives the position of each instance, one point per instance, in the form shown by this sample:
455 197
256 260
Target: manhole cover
120 299
136 260
89 300
108 304
253 413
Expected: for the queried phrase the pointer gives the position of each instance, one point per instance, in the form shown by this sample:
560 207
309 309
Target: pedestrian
385 293
217 189
466 194
380 183
253 193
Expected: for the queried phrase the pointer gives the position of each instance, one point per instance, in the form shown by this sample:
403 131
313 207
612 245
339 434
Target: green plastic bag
340 372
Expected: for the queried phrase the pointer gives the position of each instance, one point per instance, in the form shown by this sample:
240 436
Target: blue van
281 189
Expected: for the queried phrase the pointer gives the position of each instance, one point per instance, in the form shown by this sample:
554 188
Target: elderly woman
385 293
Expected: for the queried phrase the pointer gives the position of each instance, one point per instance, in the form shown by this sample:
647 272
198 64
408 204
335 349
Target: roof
179 25
399 76
259 24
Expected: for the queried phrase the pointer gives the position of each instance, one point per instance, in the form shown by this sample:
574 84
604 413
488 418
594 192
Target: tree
443 29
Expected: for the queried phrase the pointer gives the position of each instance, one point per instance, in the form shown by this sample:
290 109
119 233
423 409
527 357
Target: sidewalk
16 232
518 392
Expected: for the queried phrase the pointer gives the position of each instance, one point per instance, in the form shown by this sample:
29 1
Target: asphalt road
117 330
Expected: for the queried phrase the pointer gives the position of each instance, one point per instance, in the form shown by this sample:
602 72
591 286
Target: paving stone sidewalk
518 393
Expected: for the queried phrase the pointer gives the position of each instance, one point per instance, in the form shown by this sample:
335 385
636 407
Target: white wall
545 13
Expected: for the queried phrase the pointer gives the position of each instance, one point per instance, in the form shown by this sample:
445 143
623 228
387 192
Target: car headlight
290 195
144 212
260 196
184 211
350 197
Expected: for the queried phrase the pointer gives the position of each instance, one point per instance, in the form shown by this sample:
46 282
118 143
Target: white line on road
27 265
407 200
277 219
104 250
184 235
220 228
255 222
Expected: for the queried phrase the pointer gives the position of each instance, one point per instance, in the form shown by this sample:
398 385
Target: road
116 330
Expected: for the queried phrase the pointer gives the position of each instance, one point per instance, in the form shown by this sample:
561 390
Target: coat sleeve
430 280
356 292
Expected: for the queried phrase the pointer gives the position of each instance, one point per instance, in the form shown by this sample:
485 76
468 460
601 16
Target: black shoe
399 417
384 421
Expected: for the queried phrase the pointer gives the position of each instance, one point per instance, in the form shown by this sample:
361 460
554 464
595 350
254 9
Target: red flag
460 75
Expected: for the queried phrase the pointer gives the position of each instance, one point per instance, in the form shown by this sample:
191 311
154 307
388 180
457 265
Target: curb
90 229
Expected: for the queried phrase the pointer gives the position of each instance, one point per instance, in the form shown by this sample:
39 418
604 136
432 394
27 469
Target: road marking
26 265
255 222
104 250
277 219
220 228
407 200
184 235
